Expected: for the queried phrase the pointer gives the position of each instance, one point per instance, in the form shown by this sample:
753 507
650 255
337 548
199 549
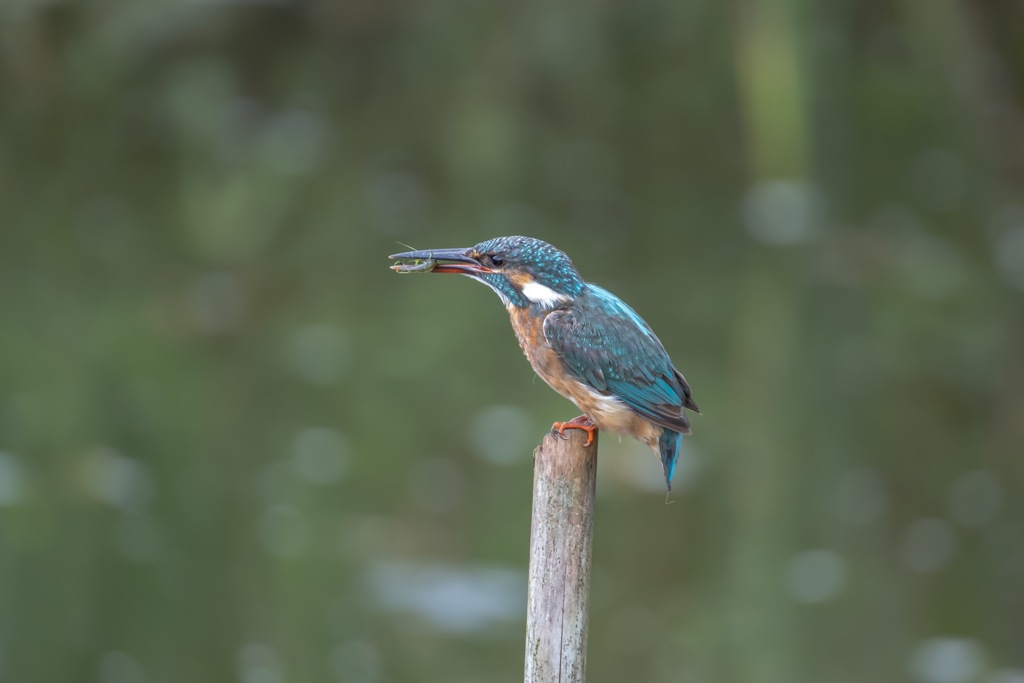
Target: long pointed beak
459 261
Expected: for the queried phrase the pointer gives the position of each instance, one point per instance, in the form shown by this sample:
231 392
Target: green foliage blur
235 447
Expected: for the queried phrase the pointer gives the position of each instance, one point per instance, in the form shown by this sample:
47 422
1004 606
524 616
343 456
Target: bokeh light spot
1007 676
947 660
259 663
816 575
1008 249
115 479
462 600
503 434
320 455
13 482
781 212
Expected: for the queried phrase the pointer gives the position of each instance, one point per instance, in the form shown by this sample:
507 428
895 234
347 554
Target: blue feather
668 447
606 345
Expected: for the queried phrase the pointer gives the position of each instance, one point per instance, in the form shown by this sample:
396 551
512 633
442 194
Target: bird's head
523 271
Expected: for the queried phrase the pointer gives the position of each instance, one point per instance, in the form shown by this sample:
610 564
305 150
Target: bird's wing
607 346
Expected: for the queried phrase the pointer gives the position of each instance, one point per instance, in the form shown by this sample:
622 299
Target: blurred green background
235 447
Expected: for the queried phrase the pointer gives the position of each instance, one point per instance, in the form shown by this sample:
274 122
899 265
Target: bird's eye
497 259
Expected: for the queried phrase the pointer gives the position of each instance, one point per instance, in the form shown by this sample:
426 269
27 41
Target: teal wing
607 346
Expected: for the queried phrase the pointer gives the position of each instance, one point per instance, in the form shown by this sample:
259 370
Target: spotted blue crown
547 264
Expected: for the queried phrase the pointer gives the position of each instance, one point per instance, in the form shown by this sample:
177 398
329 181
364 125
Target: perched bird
584 341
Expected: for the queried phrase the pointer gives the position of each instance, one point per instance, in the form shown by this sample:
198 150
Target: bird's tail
668 448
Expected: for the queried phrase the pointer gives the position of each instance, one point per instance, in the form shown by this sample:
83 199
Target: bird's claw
582 422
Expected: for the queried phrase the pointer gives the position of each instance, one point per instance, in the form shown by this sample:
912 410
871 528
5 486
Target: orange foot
582 422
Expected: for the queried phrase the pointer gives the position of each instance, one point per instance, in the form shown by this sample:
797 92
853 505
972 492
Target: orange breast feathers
529 329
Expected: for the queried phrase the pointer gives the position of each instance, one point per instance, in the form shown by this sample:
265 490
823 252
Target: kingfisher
581 339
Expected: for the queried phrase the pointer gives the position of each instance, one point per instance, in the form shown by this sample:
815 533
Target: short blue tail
668 446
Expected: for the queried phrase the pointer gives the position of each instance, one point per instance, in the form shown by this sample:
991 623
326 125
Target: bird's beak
459 261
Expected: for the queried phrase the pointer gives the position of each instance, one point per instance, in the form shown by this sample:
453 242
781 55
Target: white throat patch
542 294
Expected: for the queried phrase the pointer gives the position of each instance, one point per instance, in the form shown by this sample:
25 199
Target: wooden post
561 534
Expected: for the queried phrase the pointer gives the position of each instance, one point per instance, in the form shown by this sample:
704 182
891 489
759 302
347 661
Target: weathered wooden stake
561 534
